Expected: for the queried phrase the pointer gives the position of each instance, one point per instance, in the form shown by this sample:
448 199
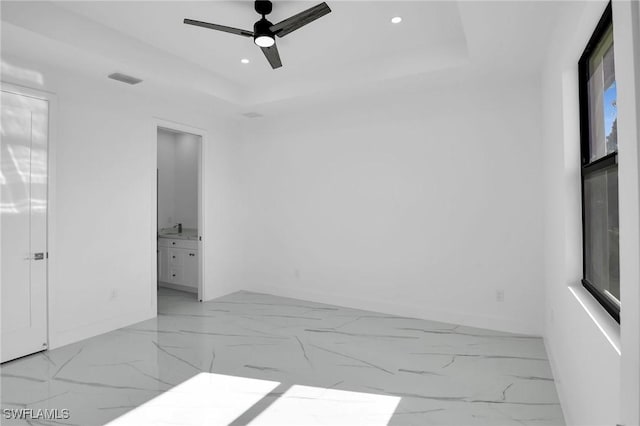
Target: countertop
186 234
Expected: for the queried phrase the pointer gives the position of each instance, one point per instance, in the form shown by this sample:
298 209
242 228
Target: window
599 146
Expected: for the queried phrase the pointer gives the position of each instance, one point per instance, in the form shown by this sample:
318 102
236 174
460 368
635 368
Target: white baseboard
555 372
61 338
402 309
66 337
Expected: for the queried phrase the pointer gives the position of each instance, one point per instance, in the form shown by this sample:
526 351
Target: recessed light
244 60
396 20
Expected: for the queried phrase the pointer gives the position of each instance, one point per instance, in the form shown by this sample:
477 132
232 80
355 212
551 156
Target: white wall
104 170
422 203
584 343
626 16
178 179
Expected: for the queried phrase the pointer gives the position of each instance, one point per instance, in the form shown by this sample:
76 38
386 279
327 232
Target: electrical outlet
500 295
296 273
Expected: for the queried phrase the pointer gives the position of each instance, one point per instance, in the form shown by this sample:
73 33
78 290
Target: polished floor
260 359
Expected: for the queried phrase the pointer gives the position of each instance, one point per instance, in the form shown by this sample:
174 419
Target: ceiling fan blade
217 27
301 19
272 56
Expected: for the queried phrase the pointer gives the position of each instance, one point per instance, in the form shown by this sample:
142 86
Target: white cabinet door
23 287
163 263
190 269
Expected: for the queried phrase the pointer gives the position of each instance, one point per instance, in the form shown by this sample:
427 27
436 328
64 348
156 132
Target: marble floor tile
250 358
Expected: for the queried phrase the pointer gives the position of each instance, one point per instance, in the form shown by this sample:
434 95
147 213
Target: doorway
179 212
24 257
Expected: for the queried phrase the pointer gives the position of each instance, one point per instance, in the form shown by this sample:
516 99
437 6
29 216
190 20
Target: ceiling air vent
124 78
252 115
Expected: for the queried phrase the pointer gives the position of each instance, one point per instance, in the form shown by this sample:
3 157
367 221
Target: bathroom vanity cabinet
178 263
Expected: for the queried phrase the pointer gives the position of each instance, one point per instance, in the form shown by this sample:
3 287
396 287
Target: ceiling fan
264 32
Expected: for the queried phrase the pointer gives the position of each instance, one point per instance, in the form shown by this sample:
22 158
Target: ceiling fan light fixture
396 19
263 36
264 40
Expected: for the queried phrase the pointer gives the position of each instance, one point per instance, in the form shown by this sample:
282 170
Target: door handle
36 256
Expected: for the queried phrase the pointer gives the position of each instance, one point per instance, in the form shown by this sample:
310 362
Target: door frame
52 138
159 123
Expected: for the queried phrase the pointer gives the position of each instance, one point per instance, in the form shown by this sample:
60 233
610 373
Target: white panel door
23 230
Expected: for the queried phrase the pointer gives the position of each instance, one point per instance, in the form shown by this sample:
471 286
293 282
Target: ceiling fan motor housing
261 29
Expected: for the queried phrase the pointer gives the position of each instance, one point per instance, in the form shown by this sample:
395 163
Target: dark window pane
602 97
601 232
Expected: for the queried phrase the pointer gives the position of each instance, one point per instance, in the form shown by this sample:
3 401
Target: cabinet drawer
175 275
175 257
176 243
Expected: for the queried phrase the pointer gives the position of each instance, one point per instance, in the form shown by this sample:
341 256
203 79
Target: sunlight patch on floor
217 399
211 399
308 405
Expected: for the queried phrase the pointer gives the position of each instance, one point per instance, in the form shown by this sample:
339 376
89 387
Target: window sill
605 323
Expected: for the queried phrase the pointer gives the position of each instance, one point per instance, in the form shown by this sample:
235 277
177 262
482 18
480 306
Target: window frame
588 167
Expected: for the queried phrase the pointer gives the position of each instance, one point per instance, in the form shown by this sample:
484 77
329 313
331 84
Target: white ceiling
354 45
